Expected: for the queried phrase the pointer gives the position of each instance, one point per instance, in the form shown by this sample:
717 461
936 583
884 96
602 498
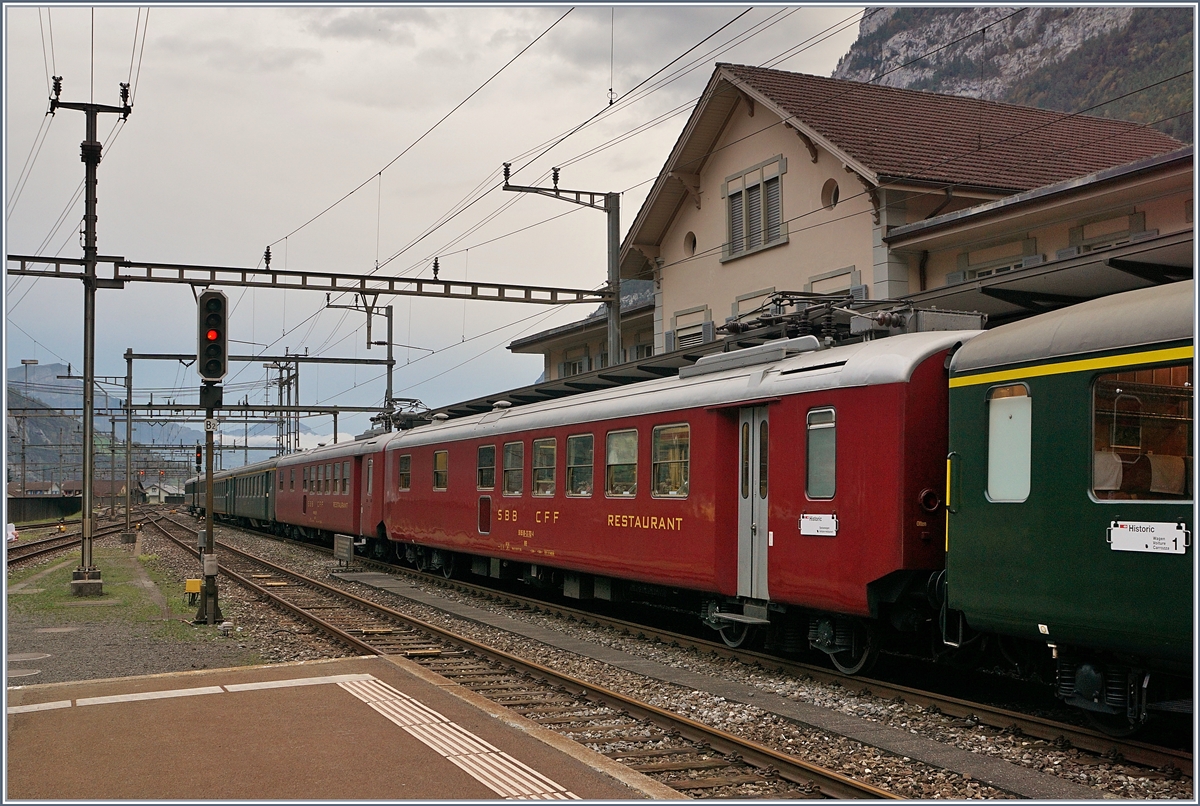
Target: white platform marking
498 771
40 706
149 695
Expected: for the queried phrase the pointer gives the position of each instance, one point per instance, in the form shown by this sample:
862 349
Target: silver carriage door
753 439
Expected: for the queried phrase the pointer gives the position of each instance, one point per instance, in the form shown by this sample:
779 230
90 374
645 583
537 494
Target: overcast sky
248 122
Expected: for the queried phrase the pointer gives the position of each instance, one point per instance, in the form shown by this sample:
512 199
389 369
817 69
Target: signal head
212 350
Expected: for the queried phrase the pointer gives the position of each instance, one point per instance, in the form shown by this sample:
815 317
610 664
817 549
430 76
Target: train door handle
753 528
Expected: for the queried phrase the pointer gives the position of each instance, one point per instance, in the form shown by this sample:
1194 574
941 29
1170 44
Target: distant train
799 493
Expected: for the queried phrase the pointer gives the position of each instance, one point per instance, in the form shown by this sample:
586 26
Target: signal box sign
1157 537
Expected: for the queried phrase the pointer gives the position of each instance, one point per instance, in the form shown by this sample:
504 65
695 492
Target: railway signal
212 350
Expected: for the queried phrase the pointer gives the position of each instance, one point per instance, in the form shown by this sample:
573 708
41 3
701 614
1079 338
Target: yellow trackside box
193 585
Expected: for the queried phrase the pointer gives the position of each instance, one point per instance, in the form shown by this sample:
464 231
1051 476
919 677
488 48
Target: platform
366 728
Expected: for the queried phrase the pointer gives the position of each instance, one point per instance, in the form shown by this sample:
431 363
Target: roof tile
925 136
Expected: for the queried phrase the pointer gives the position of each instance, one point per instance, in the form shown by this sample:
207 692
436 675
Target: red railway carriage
332 490
781 486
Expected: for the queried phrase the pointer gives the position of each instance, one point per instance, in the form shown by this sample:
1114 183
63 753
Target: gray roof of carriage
882 361
1139 318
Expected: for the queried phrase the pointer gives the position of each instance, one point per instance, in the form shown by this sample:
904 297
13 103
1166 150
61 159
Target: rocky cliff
1068 59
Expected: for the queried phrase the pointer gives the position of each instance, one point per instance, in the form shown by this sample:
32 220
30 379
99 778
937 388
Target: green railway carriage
1070 498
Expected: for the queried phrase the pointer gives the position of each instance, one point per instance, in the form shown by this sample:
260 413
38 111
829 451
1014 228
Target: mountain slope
1066 59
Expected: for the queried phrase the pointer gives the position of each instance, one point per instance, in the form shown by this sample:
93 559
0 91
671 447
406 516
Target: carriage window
579 465
320 479
671 459
514 467
762 460
345 478
1010 424
621 479
337 478
292 479
280 479
545 458
486 478
370 476
1142 434
745 460
441 469
822 453
404 472
304 478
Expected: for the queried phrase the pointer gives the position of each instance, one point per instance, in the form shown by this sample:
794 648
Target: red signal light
212 335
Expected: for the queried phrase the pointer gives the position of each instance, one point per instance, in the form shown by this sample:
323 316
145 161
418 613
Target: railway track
1166 760
691 757
22 551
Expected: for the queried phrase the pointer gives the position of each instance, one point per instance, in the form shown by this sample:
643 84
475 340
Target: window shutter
737 242
754 221
774 215
562 369
669 341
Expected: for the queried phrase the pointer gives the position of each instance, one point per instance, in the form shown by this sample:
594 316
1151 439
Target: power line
429 130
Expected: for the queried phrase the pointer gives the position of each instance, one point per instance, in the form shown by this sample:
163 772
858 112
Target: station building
788 182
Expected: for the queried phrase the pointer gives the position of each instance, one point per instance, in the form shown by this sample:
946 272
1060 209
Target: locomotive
797 492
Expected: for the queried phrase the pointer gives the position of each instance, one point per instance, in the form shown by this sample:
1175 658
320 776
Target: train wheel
379 549
735 635
419 560
861 655
447 564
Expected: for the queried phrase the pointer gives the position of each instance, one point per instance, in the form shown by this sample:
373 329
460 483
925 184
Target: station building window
544 461
821 454
404 472
441 469
1010 439
485 478
514 467
621 464
1142 434
755 209
579 465
671 452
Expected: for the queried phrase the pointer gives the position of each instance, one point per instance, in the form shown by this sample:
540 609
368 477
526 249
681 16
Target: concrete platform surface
364 728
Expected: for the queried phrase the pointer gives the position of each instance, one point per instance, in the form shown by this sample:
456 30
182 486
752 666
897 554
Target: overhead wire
631 95
430 129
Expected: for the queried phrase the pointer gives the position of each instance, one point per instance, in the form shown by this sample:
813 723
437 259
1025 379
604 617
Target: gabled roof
886 134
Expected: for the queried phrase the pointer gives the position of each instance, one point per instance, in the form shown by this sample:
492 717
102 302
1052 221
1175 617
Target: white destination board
820 525
1169 538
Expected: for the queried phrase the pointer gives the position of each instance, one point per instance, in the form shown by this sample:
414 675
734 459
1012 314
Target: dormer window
754 205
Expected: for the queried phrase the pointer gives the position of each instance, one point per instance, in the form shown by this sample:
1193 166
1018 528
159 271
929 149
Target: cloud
396 26
229 55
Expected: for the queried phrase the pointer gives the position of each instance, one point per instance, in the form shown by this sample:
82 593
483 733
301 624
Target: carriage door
366 505
753 536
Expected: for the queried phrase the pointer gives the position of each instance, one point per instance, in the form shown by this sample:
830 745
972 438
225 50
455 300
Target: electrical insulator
124 94
555 170
212 351
57 86
267 257
507 165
